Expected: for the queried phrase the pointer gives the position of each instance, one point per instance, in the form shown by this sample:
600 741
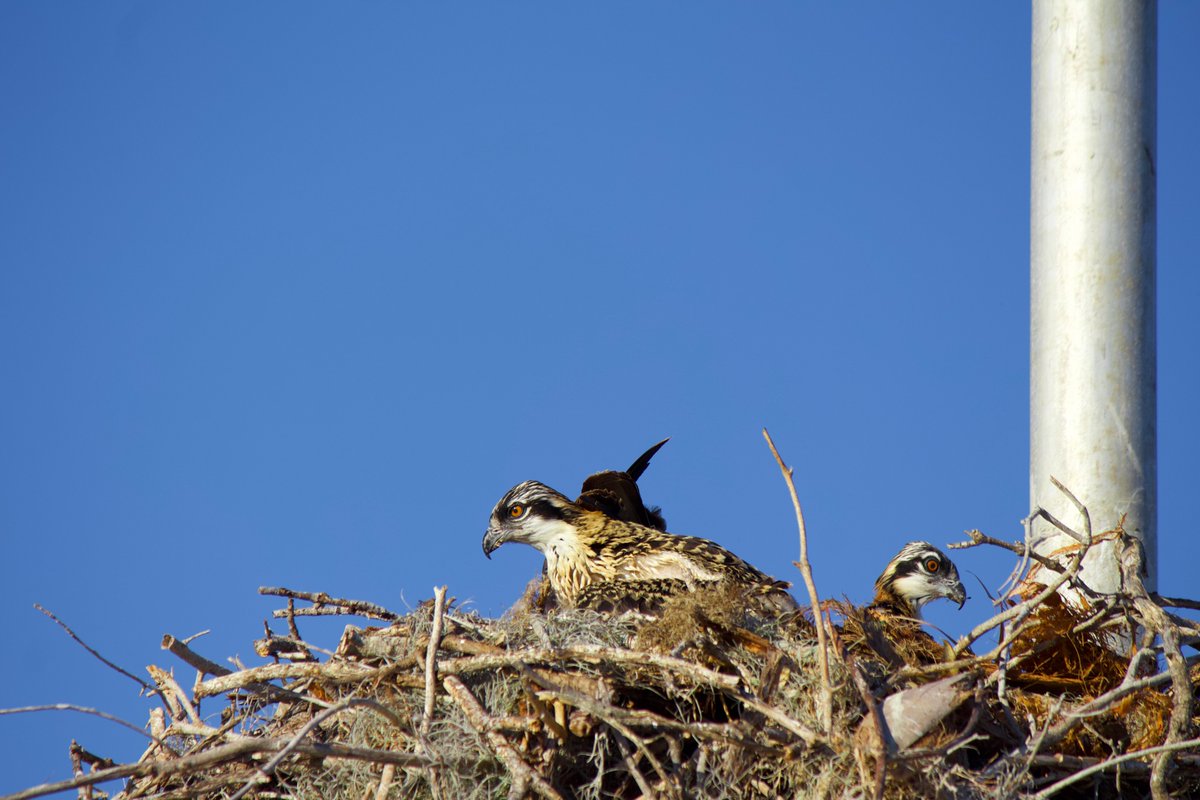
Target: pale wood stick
435 639
522 773
385 781
179 649
219 755
247 678
173 693
324 604
587 654
814 600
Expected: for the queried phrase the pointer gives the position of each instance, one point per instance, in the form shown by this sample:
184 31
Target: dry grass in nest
1082 664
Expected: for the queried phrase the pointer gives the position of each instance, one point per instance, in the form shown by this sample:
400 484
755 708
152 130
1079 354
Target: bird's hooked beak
492 539
958 594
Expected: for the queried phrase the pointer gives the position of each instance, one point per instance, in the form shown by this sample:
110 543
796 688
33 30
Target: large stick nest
702 702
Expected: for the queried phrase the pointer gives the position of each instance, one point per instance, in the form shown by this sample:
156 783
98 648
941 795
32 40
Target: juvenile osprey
596 561
888 633
919 573
616 494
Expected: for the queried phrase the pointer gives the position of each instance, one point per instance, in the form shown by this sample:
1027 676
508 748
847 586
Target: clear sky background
292 293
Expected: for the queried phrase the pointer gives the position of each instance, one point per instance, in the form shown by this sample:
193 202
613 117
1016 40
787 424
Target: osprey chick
596 561
888 633
918 574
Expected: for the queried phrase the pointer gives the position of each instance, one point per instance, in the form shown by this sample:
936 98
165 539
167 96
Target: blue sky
291 293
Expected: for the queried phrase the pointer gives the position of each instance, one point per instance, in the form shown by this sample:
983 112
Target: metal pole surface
1092 258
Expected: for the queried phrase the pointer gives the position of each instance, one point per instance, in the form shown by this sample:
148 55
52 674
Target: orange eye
933 565
516 510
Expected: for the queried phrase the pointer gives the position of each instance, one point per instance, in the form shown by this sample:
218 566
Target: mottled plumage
596 561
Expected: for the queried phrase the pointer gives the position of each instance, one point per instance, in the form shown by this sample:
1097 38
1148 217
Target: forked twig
323 604
977 538
806 573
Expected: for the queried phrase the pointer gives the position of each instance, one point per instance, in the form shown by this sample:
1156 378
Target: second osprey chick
918 574
593 560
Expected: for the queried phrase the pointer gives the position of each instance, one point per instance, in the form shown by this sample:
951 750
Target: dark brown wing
616 495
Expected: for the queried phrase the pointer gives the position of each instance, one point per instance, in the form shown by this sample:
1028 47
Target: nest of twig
1091 698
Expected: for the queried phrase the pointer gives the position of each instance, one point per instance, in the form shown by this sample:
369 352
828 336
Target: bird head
531 513
918 574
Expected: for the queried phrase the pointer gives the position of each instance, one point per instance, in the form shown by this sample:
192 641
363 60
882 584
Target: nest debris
703 701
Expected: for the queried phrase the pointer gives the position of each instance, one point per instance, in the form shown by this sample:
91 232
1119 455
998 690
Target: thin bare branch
1175 602
1107 764
145 686
1056 522
813 598
95 712
1080 507
977 538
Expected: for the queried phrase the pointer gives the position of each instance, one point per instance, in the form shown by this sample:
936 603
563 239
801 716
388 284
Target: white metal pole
1092 257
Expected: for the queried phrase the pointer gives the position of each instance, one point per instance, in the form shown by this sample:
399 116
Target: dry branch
813 598
222 754
523 775
324 605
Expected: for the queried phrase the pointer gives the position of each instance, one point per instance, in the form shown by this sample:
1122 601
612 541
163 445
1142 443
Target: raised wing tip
638 467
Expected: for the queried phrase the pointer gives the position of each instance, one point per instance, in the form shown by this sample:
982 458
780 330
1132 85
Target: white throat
553 537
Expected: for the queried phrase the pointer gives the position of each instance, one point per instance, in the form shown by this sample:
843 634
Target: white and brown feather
595 561
918 574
